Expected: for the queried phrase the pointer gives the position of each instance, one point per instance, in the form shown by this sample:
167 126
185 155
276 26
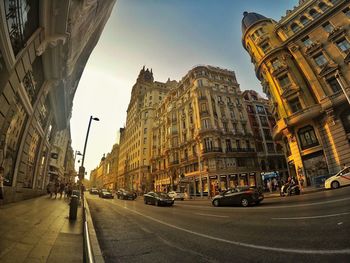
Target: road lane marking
210 215
309 217
237 243
266 207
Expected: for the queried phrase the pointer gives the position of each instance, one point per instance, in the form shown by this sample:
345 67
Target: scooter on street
289 189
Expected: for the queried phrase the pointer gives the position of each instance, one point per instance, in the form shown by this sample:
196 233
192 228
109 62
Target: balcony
234 150
174 162
212 150
202 98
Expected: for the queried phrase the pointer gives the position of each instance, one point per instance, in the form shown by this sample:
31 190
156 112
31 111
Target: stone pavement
39 230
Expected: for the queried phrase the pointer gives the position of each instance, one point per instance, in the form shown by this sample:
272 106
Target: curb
303 193
95 247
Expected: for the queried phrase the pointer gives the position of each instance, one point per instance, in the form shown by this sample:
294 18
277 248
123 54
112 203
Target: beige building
201 139
271 158
303 64
44 46
135 138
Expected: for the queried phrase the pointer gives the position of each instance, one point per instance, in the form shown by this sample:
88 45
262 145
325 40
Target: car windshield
163 195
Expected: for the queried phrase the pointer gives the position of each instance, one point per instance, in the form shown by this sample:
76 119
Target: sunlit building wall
44 46
135 137
202 141
302 62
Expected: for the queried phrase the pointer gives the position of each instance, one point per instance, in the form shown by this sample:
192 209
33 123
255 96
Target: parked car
158 198
126 195
106 194
94 191
342 178
243 196
177 195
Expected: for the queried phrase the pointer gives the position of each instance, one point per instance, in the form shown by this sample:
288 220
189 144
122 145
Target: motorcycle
287 190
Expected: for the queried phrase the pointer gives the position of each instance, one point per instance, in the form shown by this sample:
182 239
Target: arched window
294 27
307 137
304 20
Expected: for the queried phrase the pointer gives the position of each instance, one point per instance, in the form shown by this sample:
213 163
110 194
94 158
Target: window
295 105
206 123
228 144
284 81
263 121
238 144
144 130
224 124
343 44
270 147
322 6
346 11
219 98
265 47
208 143
200 82
204 107
314 13
334 84
260 109
275 63
328 27
259 32
307 41
247 143
320 59
144 140
307 137
304 20
294 27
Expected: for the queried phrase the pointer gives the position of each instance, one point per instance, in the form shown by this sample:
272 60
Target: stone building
44 46
135 137
201 139
302 62
271 158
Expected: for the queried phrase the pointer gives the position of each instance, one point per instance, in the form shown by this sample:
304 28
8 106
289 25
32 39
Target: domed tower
297 63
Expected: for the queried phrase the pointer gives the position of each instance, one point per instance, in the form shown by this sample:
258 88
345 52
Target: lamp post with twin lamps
82 168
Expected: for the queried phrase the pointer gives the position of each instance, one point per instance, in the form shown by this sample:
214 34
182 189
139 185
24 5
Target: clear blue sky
169 36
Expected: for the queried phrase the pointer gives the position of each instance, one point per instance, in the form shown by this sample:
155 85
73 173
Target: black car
106 194
157 198
126 195
243 196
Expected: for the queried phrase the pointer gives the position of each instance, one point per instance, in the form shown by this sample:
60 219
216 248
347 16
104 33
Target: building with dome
302 62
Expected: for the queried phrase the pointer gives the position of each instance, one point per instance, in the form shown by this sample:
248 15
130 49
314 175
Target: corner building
302 62
202 141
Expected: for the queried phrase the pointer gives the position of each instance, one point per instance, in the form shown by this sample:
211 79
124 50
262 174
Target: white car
340 179
177 195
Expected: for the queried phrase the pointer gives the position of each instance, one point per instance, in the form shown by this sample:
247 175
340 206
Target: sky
169 36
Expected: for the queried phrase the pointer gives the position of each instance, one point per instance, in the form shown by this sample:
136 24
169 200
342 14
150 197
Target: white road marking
237 243
269 207
309 217
210 215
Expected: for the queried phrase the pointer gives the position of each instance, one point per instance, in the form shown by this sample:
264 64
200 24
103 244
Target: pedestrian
301 182
57 187
1 185
61 189
269 185
51 187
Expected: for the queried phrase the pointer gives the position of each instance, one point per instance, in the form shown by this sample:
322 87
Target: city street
307 228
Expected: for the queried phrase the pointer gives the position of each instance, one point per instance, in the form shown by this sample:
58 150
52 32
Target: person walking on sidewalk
61 189
1 185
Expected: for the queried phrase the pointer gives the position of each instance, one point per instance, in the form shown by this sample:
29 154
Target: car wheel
216 203
182 199
244 202
335 185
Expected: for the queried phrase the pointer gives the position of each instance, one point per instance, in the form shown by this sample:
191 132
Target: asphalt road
307 228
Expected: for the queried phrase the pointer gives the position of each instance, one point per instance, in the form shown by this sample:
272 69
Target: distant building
44 46
271 158
302 62
135 137
201 139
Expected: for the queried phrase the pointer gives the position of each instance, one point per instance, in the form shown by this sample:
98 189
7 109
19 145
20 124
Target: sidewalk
39 230
306 190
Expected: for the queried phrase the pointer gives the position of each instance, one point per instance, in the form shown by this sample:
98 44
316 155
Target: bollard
73 207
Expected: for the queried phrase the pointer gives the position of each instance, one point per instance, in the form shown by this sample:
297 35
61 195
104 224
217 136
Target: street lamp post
82 168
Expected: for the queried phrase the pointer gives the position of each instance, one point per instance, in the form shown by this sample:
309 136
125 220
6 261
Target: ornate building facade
201 139
302 62
44 46
134 171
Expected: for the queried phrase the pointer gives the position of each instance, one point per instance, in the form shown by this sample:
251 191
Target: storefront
214 185
223 182
243 179
233 180
314 165
252 179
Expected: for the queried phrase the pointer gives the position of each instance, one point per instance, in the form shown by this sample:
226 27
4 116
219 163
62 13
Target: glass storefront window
11 139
